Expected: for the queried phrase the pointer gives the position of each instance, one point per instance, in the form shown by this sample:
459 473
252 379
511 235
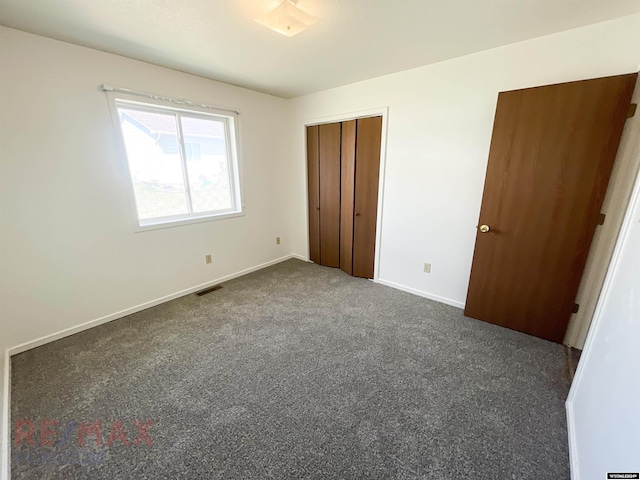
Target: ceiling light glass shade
287 19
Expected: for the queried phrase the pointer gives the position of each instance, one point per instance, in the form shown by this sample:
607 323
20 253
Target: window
183 163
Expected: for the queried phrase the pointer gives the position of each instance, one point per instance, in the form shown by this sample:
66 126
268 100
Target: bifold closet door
329 161
347 200
313 182
343 173
367 174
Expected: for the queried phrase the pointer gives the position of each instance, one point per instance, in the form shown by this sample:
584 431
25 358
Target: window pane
151 140
207 164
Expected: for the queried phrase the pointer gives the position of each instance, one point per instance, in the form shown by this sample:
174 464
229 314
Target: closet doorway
343 168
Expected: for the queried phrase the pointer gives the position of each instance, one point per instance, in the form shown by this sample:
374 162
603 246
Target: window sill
187 221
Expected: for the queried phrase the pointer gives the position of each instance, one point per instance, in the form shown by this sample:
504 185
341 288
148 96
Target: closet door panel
369 133
313 179
329 143
347 200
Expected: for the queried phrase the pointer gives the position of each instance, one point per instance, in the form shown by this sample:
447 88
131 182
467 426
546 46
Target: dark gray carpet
297 371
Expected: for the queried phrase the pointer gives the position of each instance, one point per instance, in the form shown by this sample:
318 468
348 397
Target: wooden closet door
329 148
313 179
347 199
368 140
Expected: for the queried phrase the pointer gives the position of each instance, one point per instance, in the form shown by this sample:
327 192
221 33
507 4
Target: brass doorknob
484 228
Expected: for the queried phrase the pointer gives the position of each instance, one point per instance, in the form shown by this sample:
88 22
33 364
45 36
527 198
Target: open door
551 156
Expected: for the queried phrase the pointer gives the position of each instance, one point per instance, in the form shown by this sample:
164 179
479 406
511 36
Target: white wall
439 130
68 252
602 408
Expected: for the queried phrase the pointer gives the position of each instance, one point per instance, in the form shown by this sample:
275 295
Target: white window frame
233 159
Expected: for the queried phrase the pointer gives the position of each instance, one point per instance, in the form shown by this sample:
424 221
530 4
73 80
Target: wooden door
367 172
550 159
329 155
313 188
347 197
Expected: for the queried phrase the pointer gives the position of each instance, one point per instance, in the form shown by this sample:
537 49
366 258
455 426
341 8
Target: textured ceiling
355 40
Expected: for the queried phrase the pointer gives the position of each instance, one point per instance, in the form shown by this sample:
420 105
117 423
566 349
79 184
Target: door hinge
601 219
632 110
576 307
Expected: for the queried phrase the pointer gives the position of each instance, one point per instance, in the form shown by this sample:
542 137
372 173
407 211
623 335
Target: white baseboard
571 431
420 293
143 306
5 437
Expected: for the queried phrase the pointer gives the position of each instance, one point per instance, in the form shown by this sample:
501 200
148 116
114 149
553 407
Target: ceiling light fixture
287 19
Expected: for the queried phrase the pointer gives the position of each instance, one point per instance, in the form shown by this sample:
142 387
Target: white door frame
599 330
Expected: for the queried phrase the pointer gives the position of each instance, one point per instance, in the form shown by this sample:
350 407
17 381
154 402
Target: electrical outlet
277 240
207 259
427 268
